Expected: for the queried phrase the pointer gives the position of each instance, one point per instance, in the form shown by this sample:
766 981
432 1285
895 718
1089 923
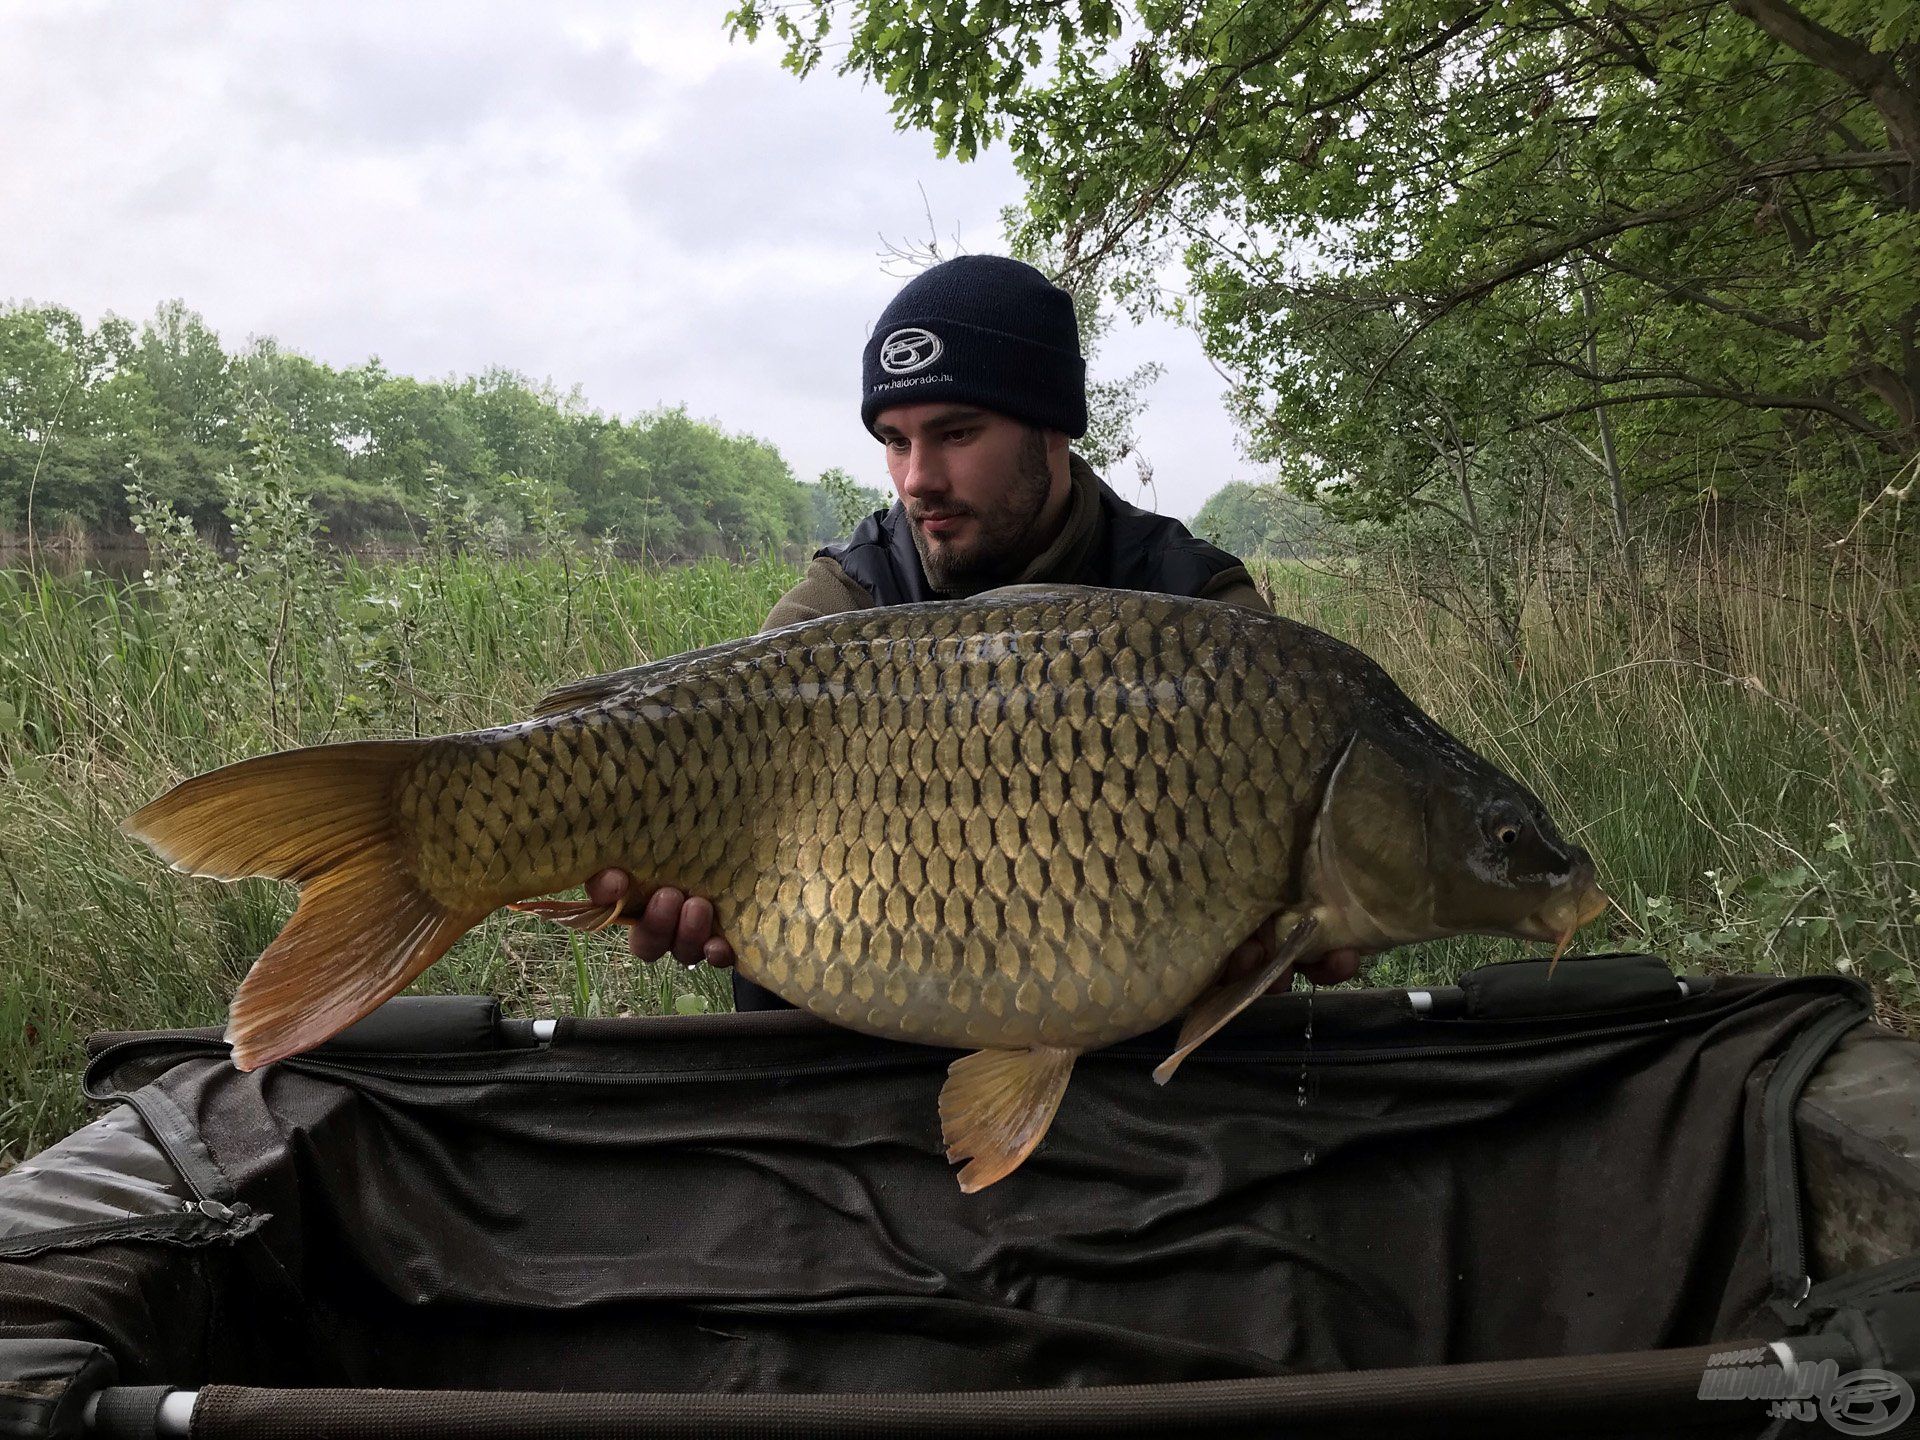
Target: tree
189 375
1667 227
372 451
68 399
1258 521
839 502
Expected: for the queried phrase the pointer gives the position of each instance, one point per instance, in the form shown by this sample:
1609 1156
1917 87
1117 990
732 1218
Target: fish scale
1034 822
1086 788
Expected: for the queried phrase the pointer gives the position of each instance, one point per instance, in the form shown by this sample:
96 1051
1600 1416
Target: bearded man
974 382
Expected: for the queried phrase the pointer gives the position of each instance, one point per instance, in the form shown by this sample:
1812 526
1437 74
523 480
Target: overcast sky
611 195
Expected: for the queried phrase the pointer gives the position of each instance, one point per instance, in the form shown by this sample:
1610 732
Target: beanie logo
908 350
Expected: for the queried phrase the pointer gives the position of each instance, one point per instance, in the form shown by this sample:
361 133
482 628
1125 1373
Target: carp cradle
1507 1207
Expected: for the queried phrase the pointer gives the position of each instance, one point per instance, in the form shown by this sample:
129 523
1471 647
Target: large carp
1034 822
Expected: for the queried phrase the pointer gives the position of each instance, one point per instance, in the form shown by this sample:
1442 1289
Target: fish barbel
1027 824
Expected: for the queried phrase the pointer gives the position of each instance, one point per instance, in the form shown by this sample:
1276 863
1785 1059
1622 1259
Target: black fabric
1883 1332
1590 984
427 1024
46 1383
759 1203
980 330
130 1412
105 1173
1792 1282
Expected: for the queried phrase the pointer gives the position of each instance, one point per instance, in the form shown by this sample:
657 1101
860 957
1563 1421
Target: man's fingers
1245 958
609 887
1333 967
695 929
1251 953
672 920
656 925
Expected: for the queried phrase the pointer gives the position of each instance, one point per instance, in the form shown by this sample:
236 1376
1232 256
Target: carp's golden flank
1027 824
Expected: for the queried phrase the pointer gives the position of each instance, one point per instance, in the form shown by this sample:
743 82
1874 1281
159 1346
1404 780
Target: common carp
1026 824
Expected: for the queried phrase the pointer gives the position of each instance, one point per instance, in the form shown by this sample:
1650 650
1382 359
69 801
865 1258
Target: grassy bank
1740 757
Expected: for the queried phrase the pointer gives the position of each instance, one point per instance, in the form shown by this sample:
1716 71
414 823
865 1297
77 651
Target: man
974 382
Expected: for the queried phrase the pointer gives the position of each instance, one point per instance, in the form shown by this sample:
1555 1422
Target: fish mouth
1563 915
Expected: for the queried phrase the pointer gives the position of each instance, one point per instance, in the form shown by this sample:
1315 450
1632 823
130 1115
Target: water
115 560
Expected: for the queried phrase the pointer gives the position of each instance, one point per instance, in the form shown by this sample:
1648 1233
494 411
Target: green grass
1740 751
1742 765
110 693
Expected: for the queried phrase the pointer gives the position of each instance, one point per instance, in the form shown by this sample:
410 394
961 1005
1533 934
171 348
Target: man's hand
1328 969
665 920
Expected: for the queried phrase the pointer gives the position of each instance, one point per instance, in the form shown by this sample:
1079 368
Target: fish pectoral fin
996 1105
1228 998
574 914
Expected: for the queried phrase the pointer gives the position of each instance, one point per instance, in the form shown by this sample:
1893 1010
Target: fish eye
1507 825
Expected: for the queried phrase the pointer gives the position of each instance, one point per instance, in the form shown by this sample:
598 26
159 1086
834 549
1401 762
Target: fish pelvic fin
581 915
996 1105
324 818
1228 998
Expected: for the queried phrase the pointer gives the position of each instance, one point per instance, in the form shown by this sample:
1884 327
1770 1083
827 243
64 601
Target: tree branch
1794 329
1544 255
1873 76
1752 400
1143 203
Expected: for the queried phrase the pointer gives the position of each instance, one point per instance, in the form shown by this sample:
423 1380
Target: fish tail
326 819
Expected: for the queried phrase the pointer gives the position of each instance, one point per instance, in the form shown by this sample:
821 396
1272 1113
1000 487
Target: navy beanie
984 330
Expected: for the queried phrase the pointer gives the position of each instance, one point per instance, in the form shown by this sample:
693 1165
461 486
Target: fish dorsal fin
578 694
1035 589
596 689
996 1106
1228 998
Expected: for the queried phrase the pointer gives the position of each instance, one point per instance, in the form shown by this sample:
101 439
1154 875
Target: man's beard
1006 540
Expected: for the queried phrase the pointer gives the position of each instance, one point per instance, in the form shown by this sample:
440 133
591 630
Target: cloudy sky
611 195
